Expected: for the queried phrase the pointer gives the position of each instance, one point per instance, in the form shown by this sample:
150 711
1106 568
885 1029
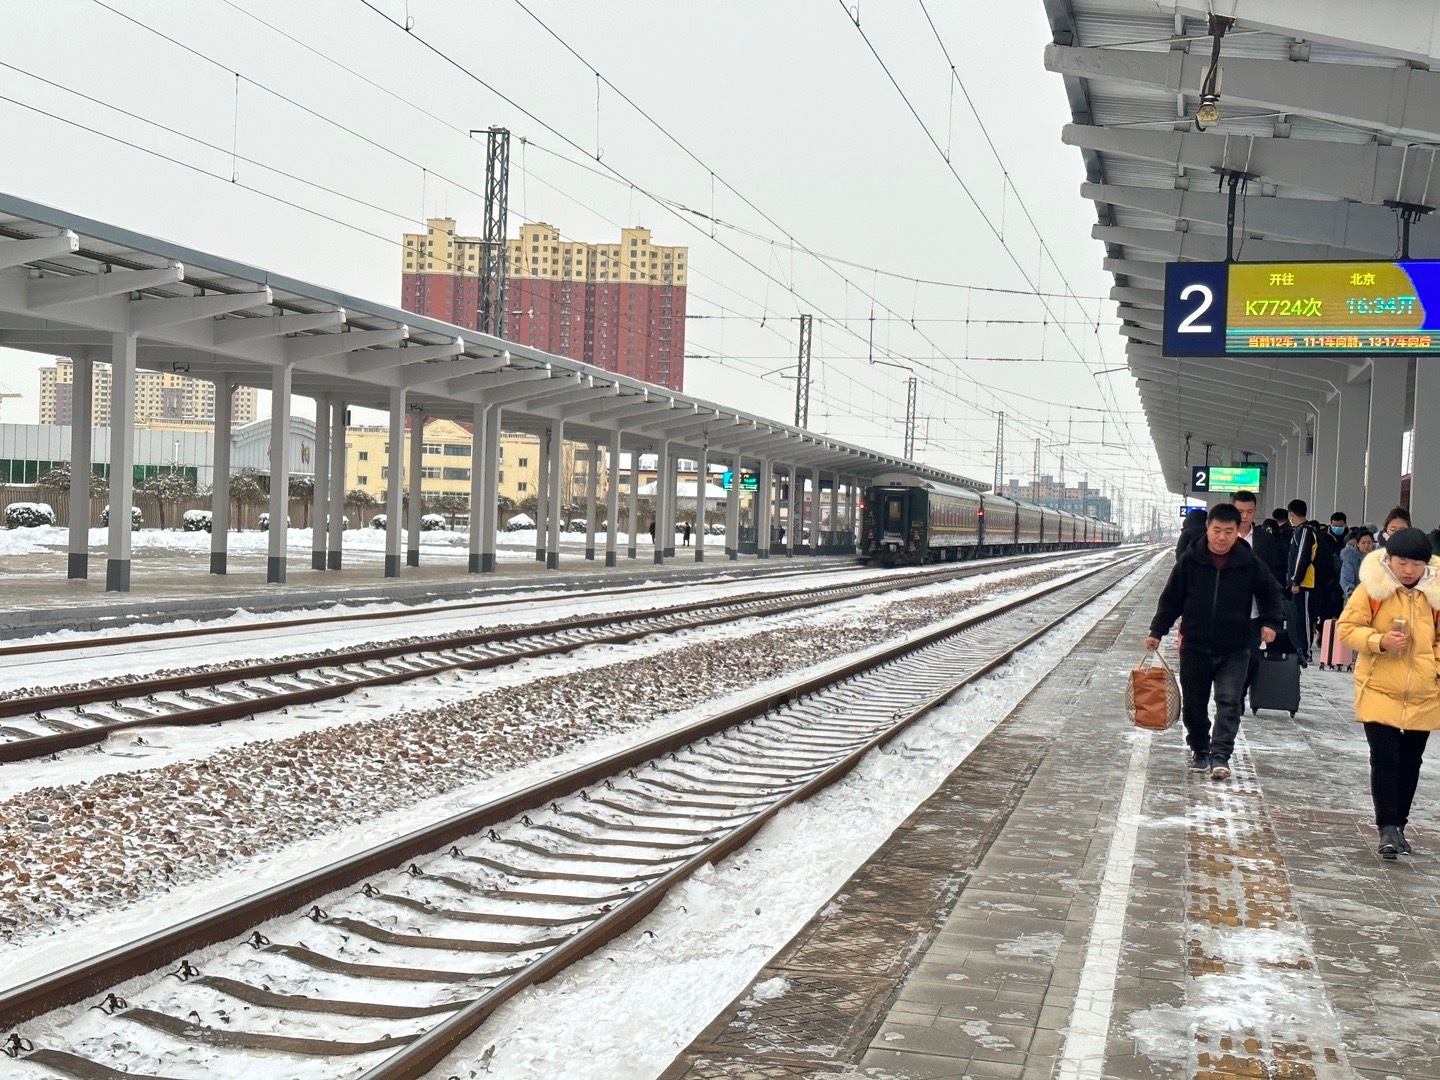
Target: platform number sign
1195 304
1199 478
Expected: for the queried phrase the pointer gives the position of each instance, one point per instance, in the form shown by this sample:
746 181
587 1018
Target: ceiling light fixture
1209 111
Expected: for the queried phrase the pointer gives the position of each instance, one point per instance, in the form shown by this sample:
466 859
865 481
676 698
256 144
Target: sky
931 224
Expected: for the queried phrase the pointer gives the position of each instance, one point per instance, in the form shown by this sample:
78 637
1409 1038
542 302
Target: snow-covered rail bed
384 982
119 839
40 722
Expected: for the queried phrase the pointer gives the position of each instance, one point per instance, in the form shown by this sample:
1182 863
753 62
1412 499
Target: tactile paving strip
1243 936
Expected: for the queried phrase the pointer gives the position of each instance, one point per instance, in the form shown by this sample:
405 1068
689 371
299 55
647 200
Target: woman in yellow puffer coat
1391 622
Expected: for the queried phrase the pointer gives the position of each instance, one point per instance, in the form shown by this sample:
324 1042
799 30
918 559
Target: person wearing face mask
1390 620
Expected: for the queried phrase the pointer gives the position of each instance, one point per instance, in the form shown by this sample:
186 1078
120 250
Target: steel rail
97 974
588 593
640 624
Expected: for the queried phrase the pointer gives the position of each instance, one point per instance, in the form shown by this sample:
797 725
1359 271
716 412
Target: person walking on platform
1300 571
1270 556
1213 585
1191 529
1396 518
1391 622
1350 560
1278 526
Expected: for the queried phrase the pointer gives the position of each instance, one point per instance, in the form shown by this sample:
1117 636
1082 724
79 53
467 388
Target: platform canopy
1329 116
69 284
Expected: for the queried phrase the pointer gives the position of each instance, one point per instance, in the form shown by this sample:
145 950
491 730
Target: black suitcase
1277 683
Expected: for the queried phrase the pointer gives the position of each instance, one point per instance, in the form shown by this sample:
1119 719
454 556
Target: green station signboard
1224 477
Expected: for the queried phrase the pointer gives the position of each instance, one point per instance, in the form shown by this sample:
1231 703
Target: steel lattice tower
910 420
802 375
493 293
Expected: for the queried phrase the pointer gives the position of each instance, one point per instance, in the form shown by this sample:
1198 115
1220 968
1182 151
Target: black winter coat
1270 552
1215 604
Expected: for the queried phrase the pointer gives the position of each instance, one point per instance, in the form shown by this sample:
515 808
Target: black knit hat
1408 544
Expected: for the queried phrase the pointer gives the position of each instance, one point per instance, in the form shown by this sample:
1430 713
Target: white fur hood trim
1381 584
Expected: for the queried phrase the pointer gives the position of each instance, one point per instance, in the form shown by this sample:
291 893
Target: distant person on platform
1391 622
652 530
1278 526
1301 569
1350 560
685 534
1214 586
1191 529
1271 556
1396 518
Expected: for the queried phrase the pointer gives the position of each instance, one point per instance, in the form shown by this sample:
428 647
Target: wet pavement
1074 902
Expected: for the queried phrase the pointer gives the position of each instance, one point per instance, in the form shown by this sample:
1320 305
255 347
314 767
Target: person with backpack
1391 622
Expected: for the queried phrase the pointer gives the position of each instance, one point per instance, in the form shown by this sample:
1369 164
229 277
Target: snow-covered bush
432 522
197 521
135 518
378 521
264 521
28 515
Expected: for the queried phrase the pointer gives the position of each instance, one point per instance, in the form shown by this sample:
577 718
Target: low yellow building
444 462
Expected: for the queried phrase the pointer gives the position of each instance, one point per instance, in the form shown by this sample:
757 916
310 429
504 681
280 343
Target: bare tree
168 487
246 489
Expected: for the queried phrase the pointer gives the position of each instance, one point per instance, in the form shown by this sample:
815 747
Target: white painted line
1084 1055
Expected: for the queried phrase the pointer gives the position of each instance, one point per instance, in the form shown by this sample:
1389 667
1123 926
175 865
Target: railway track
384 980
37 725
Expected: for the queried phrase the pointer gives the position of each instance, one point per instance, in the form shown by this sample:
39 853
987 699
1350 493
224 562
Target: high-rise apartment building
617 305
159 396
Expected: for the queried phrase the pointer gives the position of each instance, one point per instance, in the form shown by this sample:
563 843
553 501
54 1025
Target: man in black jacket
1268 550
1213 586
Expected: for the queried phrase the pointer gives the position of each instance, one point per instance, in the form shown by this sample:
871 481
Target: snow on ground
321 801
661 984
54 669
52 538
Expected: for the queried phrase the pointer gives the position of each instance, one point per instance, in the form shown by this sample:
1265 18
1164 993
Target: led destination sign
1238 309
1224 478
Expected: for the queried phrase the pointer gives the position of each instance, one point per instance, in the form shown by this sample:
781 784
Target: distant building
617 305
159 396
444 462
1083 500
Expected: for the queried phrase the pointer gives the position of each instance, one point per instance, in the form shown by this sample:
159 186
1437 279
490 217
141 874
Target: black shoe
1219 770
1199 762
1390 841
1405 848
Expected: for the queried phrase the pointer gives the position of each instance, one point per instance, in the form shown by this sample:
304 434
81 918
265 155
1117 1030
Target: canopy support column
220 477
1387 408
612 500
319 494
395 483
335 527
280 405
82 440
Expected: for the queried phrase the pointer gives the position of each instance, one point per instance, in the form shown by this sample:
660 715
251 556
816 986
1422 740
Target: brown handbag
1152 696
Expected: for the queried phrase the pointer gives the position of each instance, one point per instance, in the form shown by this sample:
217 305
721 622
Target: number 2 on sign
1187 325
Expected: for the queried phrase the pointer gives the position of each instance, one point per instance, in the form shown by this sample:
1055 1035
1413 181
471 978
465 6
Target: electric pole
493 291
910 420
802 375
1035 483
999 452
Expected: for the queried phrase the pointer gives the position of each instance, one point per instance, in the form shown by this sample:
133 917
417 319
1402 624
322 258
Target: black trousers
1255 657
1226 673
1298 619
1395 756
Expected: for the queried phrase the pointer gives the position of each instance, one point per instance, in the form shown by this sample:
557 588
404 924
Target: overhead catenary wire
970 402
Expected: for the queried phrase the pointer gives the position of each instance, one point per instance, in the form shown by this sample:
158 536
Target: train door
893 521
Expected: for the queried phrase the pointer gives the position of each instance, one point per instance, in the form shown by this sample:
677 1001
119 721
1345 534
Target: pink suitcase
1334 653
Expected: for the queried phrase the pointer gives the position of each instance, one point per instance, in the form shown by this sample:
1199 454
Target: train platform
1074 902
173 581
